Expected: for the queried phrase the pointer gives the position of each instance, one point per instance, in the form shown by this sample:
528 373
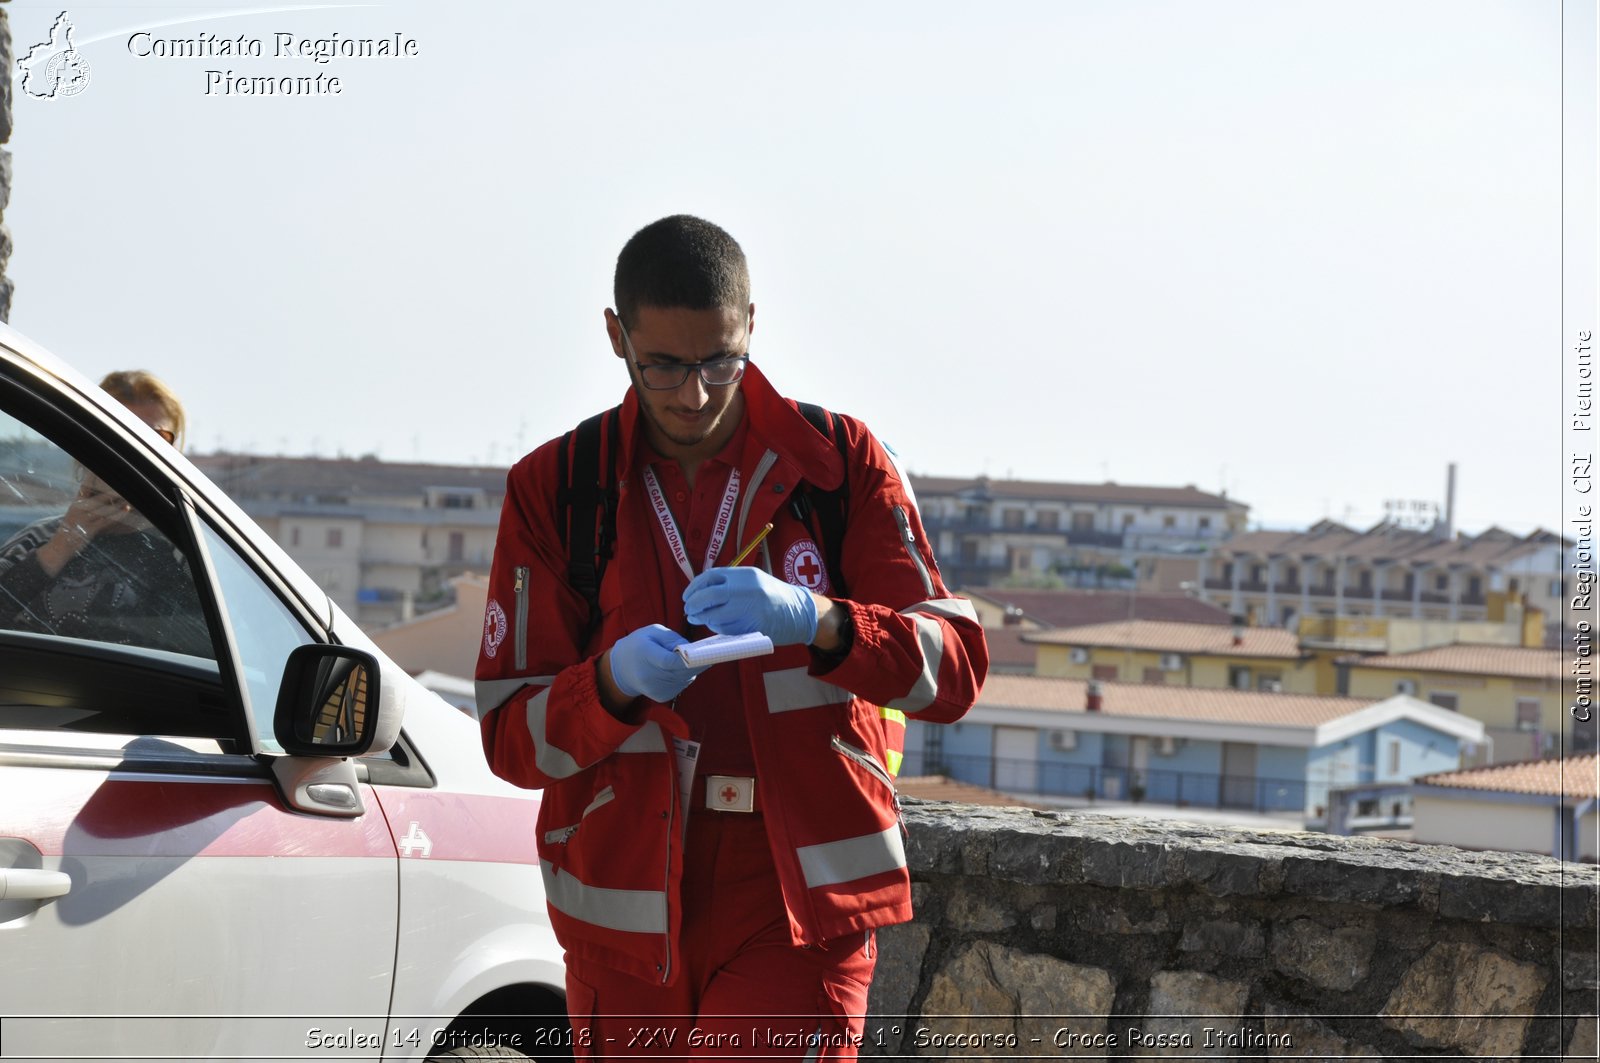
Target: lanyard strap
669 527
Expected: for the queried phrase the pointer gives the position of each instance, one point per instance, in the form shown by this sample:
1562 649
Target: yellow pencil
762 534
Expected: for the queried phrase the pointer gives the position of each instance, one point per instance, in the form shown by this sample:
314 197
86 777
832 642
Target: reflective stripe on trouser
634 911
848 859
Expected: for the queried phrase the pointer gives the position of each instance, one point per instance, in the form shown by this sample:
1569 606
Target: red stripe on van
462 826
70 812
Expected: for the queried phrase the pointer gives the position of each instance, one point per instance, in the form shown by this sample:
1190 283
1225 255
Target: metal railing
1092 782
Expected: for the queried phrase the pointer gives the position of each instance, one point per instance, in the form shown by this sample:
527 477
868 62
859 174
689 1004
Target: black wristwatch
847 639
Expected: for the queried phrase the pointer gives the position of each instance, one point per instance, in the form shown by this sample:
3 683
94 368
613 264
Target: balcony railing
1097 782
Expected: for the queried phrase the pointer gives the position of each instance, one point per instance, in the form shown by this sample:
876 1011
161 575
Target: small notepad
720 648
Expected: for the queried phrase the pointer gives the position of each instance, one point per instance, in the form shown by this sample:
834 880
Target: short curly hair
680 261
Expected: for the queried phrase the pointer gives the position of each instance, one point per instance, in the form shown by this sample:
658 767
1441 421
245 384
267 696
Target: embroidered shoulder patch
802 567
494 628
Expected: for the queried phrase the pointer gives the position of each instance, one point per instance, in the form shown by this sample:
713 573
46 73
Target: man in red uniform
718 843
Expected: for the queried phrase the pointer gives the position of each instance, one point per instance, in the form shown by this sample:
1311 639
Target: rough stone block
901 950
1339 958
1188 1012
1465 997
1486 900
1037 858
975 913
1043 918
1222 937
1580 968
1105 920
1345 881
1224 872
1297 1037
1585 1043
990 1001
1123 865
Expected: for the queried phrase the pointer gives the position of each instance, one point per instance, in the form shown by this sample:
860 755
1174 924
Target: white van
229 826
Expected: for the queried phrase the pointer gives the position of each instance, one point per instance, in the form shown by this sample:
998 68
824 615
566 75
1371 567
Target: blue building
1187 747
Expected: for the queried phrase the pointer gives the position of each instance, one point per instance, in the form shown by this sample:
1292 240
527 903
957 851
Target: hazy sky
1308 252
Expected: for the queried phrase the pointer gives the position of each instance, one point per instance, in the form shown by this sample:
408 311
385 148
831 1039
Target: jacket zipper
910 539
562 835
868 761
520 588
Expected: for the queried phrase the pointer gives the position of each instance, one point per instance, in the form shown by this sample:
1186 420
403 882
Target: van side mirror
328 702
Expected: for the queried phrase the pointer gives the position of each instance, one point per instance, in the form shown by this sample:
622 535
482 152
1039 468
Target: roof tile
1574 776
1171 637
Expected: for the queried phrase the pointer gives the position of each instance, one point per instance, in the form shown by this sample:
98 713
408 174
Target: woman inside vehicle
100 570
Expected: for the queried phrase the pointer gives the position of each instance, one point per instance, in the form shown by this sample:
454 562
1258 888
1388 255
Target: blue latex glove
643 662
737 601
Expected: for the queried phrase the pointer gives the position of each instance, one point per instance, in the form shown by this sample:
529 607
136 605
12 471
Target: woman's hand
94 512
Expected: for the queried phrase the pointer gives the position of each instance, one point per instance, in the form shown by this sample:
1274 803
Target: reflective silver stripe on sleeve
493 693
556 763
930 639
949 608
633 911
852 858
646 739
795 688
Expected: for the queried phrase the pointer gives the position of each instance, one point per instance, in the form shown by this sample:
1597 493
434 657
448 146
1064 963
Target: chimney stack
1450 504
1238 630
1095 696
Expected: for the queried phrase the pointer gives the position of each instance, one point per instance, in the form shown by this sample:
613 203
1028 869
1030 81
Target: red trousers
743 990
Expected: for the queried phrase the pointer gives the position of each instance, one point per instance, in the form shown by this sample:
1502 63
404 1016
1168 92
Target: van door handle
26 884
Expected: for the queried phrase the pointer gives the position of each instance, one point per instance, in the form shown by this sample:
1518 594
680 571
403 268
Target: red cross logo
729 794
808 568
802 566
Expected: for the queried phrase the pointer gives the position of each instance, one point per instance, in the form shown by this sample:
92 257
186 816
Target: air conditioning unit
1079 655
1272 686
1063 741
1166 746
1406 686
1172 662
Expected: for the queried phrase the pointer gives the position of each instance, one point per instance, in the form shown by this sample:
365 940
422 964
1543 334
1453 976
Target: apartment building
1329 570
1515 691
987 531
1243 750
382 538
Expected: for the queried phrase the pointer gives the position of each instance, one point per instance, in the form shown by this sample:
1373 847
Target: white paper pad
720 648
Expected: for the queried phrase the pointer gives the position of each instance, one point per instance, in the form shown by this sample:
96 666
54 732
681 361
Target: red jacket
611 823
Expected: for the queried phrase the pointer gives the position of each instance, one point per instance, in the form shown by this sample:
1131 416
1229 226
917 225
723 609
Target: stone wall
1067 934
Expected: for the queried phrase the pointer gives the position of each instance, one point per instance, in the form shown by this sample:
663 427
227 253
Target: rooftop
1388 542
984 489
1073 608
1172 637
1167 702
1575 776
245 475
1462 658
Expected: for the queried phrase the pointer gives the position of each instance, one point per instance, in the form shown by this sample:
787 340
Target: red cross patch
803 567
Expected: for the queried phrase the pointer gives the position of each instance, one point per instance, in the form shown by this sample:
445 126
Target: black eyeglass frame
735 364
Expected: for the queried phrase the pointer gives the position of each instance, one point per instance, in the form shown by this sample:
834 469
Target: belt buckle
730 793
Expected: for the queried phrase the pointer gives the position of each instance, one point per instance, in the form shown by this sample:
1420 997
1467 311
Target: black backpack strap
829 507
587 498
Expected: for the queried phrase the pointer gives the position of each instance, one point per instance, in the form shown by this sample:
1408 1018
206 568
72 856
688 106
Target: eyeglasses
716 373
